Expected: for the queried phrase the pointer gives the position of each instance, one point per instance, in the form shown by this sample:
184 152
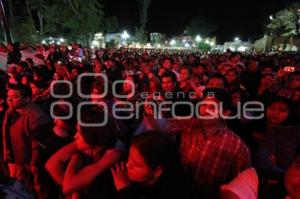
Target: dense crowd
174 124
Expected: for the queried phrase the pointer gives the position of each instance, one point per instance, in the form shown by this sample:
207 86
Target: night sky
234 18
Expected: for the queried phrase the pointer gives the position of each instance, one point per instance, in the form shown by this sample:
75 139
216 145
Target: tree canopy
285 22
76 20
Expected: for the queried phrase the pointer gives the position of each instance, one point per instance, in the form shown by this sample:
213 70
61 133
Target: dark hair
296 73
171 75
221 95
24 90
218 76
23 64
242 92
106 135
291 119
30 60
234 54
137 82
100 86
156 148
63 111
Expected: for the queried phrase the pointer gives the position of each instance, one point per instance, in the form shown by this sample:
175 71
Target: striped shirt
212 161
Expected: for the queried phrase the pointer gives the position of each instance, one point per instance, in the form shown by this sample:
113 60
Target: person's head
63 127
131 83
184 74
168 64
21 67
145 67
267 70
18 96
200 69
232 76
150 156
224 68
217 81
296 95
280 112
150 103
38 87
235 57
294 80
216 103
252 66
266 80
161 71
97 66
168 82
74 73
292 179
11 47
29 62
238 95
109 63
90 138
26 79
154 85
98 88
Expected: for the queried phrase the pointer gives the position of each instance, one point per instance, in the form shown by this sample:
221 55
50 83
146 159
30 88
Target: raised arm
77 178
56 165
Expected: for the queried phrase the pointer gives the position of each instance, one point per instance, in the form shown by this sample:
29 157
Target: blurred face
236 58
109 64
266 81
152 86
167 64
34 89
295 82
296 97
167 84
25 81
20 69
266 70
209 111
10 47
235 97
15 100
127 85
97 66
95 92
200 70
74 73
292 180
184 74
81 144
145 68
225 69
252 66
231 76
277 113
215 83
138 170
161 71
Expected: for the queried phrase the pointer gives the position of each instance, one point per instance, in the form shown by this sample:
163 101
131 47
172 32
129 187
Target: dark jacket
172 186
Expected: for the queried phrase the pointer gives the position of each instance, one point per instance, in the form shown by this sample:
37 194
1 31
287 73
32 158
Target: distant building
240 46
118 38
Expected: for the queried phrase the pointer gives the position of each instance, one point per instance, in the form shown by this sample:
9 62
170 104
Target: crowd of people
174 124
